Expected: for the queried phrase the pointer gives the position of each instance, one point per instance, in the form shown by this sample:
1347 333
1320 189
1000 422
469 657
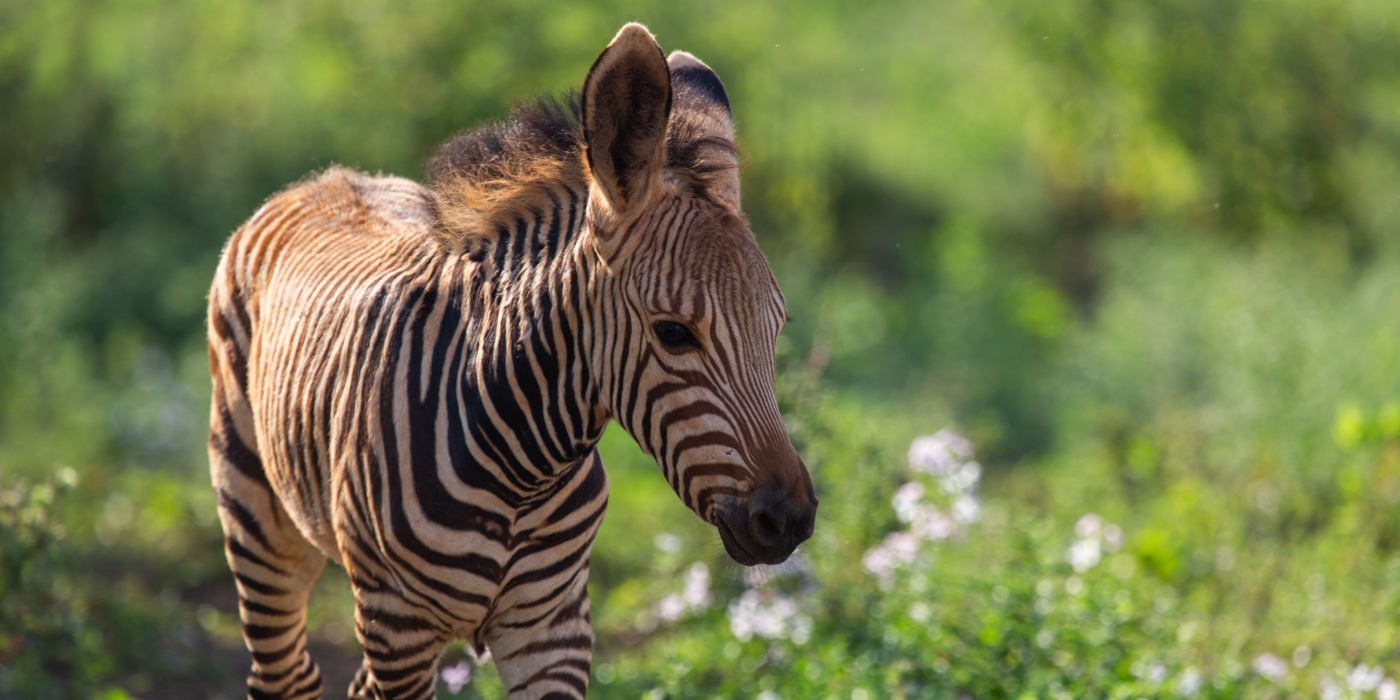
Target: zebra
411 380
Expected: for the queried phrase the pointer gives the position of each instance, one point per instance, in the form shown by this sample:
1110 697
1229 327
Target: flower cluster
768 614
1360 681
1094 537
1270 666
1189 683
947 458
459 675
694 597
1345 683
943 452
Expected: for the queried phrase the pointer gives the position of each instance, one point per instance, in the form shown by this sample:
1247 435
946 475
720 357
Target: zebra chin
767 527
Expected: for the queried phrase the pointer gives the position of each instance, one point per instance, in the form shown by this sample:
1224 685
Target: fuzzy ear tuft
626 103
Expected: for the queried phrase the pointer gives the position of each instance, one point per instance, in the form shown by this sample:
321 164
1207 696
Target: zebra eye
675 334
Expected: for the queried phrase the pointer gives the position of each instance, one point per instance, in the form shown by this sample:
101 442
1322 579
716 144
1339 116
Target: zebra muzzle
767 528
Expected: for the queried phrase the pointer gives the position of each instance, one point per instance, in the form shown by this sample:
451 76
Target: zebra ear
696 82
626 103
702 119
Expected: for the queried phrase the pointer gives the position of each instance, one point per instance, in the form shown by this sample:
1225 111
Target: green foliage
1142 254
46 649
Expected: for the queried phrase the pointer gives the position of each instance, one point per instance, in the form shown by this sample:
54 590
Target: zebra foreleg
402 643
546 654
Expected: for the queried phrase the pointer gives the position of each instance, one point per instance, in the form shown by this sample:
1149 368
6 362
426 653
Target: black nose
767 527
777 520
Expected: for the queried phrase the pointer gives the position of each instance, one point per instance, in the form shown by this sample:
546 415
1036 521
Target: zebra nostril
765 528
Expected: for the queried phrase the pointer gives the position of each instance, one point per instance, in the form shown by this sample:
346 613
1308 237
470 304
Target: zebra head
693 309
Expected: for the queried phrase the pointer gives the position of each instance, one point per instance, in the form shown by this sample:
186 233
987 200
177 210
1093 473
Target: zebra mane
489 175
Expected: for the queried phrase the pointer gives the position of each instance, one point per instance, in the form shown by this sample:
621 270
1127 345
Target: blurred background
1138 261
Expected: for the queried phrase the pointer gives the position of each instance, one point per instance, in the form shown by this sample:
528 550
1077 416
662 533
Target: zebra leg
546 655
272 563
402 643
275 569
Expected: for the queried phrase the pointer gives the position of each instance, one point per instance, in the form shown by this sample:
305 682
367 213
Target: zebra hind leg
275 569
273 565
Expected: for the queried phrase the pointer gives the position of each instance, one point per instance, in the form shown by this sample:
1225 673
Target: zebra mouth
731 544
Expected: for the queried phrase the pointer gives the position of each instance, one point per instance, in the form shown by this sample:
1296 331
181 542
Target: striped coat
411 380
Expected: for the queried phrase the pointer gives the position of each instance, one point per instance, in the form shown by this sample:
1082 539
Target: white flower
1364 678
697 586
1089 526
1387 690
457 676
1189 683
966 509
938 453
878 562
801 629
906 501
1270 667
695 595
1330 690
1084 555
933 525
1112 537
1156 673
898 549
669 608
904 546
771 616
920 612
743 614
961 478
667 542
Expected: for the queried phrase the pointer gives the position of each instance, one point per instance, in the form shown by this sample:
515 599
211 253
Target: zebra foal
411 380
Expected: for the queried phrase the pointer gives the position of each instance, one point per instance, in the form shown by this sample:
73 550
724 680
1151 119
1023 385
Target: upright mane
491 173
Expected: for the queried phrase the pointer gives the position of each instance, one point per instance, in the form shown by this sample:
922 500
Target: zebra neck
528 396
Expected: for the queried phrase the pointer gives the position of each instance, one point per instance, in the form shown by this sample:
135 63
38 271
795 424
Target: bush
47 646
